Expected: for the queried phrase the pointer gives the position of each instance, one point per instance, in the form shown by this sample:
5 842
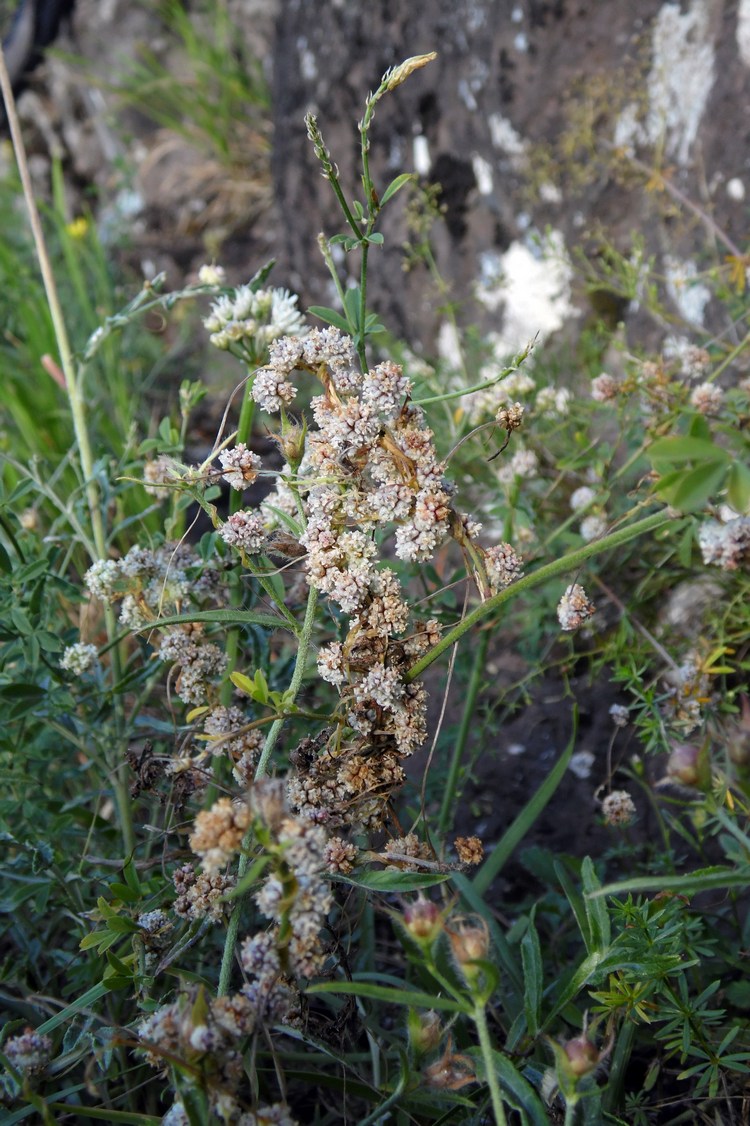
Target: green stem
244 431
467 718
260 772
480 1021
569 562
514 366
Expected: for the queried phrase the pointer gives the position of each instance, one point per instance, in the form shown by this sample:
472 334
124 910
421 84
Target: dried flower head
510 417
469 850
574 608
618 808
218 832
30 1052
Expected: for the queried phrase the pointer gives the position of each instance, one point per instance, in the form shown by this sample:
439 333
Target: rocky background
554 129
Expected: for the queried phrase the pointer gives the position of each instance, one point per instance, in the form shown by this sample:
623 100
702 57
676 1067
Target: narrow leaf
388 996
393 881
395 186
533 977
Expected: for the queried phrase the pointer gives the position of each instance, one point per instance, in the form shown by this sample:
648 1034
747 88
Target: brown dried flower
470 850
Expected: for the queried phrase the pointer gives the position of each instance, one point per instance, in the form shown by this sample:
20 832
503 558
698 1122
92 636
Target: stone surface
543 115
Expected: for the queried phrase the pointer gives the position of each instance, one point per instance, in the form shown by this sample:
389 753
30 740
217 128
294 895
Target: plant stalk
569 562
480 1021
260 772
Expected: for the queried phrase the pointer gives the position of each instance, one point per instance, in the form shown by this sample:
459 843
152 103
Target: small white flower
78 658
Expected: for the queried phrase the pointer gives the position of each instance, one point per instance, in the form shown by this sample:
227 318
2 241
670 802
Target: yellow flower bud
401 72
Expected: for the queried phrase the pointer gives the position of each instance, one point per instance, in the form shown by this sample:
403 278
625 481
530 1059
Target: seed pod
684 764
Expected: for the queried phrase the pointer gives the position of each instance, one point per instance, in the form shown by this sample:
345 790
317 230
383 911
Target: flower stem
467 719
480 1021
260 772
569 562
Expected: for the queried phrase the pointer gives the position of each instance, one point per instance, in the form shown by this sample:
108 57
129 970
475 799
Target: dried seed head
582 1056
470 942
470 850
425 1031
684 764
423 920
400 73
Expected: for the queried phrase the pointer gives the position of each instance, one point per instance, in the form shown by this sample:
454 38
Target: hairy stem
480 1022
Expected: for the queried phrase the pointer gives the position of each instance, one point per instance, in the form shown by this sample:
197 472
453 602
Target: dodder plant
245 962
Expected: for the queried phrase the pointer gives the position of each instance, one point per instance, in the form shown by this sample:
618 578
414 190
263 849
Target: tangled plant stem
567 563
261 771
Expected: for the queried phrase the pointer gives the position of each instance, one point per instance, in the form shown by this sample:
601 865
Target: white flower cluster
707 398
296 895
200 663
688 691
211 1036
523 465
239 466
725 545
553 401
370 463
78 658
594 524
147 583
254 317
245 530
605 388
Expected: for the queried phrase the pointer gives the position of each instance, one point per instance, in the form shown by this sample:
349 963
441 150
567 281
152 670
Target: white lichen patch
531 283
681 77
421 155
743 31
507 139
690 296
482 174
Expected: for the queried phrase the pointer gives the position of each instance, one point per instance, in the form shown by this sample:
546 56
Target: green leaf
516 1089
351 305
699 427
738 487
390 996
85 1001
596 909
123 892
695 486
533 977
121 925
396 186
570 985
375 239
330 316
89 940
575 899
394 881
222 617
686 449
703 879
